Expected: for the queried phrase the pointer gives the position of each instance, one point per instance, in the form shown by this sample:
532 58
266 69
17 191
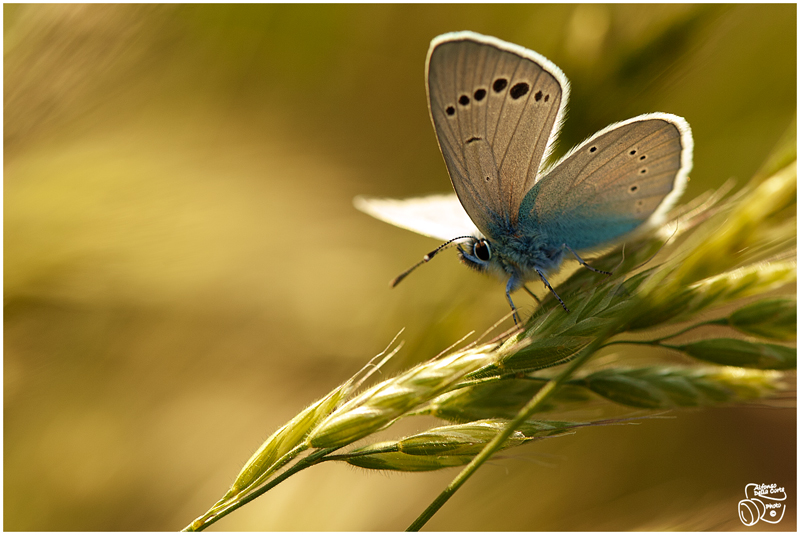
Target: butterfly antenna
427 258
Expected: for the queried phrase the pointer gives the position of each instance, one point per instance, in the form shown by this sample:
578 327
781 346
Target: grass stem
536 401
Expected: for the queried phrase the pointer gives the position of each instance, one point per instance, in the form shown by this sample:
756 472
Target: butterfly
497 109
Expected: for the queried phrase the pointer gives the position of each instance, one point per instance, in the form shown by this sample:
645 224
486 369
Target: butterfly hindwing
436 216
622 177
495 108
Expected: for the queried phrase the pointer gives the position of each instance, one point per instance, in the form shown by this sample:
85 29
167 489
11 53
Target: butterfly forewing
495 108
624 176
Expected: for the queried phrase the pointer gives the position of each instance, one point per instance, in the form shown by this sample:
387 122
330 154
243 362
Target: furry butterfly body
497 109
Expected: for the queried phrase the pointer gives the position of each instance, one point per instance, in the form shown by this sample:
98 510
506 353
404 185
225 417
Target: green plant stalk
658 341
203 522
495 444
372 449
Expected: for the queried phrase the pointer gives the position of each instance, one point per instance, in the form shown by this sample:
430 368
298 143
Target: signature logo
762 502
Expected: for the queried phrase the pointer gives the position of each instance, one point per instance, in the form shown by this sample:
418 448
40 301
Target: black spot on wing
520 90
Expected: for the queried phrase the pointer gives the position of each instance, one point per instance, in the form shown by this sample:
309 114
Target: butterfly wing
496 108
435 216
624 176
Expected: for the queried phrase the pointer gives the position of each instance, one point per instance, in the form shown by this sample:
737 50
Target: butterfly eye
482 251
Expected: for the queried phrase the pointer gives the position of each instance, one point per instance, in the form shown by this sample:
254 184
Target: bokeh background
184 270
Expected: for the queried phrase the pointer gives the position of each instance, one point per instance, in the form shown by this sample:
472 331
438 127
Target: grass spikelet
385 402
280 448
667 387
742 225
469 439
743 282
285 439
403 462
453 445
768 318
742 353
499 397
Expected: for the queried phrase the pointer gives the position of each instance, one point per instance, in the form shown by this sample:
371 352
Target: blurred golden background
184 269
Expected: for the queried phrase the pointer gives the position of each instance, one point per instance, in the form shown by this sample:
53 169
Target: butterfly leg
509 288
544 280
531 294
584 264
